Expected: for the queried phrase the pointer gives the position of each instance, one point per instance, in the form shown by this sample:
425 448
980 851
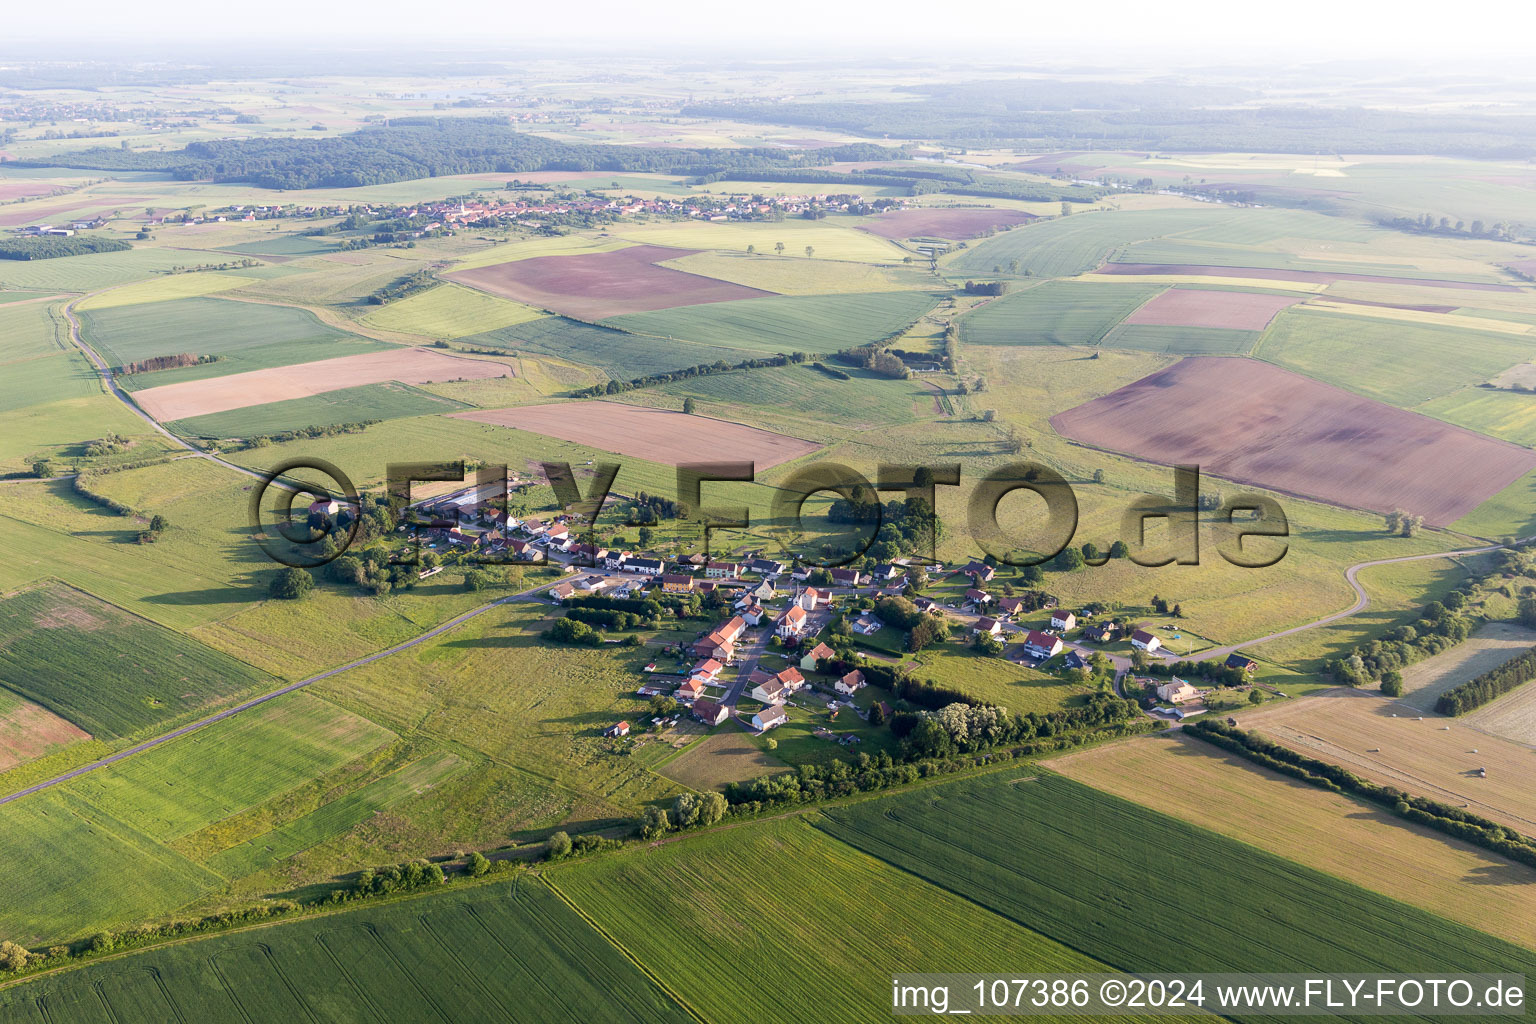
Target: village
798 643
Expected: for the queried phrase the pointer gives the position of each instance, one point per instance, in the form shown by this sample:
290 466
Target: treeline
921 181
82 485
986 287
1428 224
831 371
956 738
1474 693
614 387
1439 628
201 268
1452 821
875 358
430 147
1144 116
156 363
305 433
406 286
1212 671
55 246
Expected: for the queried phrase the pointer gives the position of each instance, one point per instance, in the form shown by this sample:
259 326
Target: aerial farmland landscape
800 516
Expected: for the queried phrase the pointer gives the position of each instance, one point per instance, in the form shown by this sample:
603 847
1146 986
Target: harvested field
1195 307
303 380
1487 649
656 435
1347 838
1521 375
592 286
1414 308
1512 716
943 223
29 730
1315 276
718 760
1357 730
1255 423
1526 267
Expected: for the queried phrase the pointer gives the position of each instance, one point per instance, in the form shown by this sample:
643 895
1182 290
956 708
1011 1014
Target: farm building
1241 661
618 729
645 566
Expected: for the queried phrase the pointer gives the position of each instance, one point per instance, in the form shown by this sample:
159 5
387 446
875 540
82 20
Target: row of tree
1491 684
1453 821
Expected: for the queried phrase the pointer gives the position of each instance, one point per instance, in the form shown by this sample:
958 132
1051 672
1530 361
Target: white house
769 717
810 598
1144 641
1042 645
1063 620
850 684
987 625
1177 691
792 622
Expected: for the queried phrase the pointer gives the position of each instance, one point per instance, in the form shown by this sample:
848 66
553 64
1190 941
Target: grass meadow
181 786
614 352
828 241
1507 414
791 275
85 871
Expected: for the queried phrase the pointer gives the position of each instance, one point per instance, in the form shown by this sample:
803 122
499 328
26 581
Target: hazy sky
1027 31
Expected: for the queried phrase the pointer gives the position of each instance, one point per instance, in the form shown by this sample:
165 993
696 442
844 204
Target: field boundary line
623 951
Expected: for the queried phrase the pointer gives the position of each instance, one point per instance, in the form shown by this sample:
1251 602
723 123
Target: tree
1098 476
928 631
476 580
291 584
654 822
364 881
159 524
647 535
103 942
1394 519
1069 560
1527 609
688 406
712 808
42 468
1119 549
12 956
988 644
877 713
1066 208
1178 611
1391 683
1255 696
809 252
559 846
685 811
772 743
778 248
661 705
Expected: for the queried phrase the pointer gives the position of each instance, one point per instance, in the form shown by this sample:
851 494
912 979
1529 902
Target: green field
283 245
92 271
614 352
495 954
799 400
785 323
1077 244
165 288
244 335
1402 364
827 924
1144 892
181 786
1217 254
1055 313
109 672
385 401
1190 340
334 818
450 311
85 870
1507 414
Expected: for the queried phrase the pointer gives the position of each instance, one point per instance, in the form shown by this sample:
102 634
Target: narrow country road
110 380
522 595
